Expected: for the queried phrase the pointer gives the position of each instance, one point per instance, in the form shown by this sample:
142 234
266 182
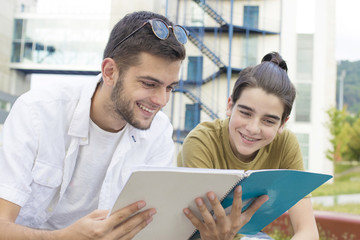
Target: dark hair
276 58
272 79
127 53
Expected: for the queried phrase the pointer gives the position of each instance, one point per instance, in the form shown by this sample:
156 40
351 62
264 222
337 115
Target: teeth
145 108
249 139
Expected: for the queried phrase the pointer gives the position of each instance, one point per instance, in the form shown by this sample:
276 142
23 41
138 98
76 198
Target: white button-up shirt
39 145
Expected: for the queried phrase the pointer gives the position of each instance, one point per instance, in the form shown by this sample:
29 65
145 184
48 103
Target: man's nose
161 97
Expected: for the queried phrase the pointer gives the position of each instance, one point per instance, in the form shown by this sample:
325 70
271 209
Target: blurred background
47 42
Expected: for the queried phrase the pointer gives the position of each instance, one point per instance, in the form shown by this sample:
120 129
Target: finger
218 209
254 207
122 214
131 226
136 230
198 224
207 217
237 203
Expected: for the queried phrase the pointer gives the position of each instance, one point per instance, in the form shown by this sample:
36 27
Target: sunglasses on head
161 30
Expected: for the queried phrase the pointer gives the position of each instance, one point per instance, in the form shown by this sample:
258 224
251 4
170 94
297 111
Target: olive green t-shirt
208 146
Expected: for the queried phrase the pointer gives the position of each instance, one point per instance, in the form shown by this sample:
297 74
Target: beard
122 106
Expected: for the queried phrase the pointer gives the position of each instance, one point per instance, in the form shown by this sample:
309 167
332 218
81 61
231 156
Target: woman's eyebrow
245 107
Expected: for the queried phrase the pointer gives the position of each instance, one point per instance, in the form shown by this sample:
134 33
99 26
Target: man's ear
109 71
229 107
281 128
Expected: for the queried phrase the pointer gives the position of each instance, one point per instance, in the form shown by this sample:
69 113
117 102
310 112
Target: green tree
351 94
339 138
353 146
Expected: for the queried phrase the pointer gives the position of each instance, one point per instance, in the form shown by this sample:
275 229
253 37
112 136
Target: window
250 51
28 50
303 102
251 16
303 139
194 71
192 116
305 51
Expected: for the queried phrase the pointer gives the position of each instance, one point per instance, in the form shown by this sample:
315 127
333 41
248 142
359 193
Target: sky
347 30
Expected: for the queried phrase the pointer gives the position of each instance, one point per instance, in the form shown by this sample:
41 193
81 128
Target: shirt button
50 209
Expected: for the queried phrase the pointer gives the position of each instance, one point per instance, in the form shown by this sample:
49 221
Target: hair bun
276 58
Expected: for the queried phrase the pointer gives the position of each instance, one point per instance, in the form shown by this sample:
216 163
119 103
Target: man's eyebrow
156 80
252 110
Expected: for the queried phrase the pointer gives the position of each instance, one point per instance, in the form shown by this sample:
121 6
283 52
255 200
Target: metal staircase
196 99
204 49
211 12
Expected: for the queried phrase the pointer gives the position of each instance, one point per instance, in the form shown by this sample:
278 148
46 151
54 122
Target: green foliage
345 136
353 146
336 124
351 84
346 181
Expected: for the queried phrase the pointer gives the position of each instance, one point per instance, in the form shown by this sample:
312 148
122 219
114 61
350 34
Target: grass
352 208
346 181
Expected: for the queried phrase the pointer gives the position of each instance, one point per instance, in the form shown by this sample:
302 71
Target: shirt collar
79 125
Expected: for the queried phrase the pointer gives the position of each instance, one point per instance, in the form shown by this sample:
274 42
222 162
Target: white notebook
170 190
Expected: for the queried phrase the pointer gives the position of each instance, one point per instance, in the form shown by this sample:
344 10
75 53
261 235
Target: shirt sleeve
292 153
195 152
18 141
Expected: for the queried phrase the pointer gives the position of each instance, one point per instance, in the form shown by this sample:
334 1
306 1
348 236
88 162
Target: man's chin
141 125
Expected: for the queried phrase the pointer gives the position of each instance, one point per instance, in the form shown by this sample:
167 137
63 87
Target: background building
68 37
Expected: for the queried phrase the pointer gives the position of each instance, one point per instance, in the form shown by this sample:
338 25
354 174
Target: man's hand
222 227
117 226
123 224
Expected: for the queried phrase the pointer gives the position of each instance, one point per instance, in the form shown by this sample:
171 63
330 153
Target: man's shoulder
160 121
57 92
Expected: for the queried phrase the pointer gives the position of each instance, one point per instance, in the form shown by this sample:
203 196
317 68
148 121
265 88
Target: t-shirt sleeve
292 156
195 152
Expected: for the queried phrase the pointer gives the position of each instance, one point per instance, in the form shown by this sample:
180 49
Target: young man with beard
66 153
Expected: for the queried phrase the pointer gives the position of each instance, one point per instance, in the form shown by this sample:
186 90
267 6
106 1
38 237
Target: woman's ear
109 71
229 107
281 128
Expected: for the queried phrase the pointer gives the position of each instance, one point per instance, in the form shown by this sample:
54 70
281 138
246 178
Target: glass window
192 116
303 139
251 16
28 50
305 51
194 70
250 51
303 102
18 27
16 50
60 41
